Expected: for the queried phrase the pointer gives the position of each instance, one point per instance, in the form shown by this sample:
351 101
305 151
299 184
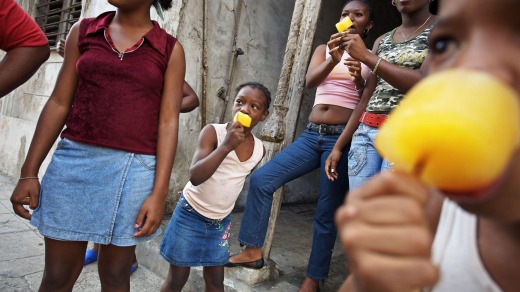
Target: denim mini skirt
91 193
192 240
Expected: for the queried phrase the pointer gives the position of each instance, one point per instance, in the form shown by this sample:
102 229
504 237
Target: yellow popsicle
344 24
456 130
243 119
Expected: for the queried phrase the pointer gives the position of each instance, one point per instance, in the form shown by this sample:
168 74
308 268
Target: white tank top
216 197
455 252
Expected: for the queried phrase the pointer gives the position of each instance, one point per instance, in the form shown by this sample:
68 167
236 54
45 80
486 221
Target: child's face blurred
478 34
251 101
483 35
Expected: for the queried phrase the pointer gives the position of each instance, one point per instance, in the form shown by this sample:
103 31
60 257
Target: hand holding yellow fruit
243 119
456 130
344 24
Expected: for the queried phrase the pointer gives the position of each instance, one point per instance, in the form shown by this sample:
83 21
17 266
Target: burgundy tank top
118 95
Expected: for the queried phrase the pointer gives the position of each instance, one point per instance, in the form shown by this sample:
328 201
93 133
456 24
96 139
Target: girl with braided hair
339 81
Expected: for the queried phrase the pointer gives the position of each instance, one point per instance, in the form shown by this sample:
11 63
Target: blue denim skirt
91 193
192 240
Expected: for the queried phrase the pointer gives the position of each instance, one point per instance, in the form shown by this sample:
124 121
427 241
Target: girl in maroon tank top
119 95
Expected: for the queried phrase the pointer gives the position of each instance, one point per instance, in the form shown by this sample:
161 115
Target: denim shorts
192 240
91 193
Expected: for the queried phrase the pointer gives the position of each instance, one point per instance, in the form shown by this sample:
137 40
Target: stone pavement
22 255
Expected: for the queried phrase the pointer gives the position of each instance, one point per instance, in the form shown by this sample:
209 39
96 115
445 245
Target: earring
393 2
365 33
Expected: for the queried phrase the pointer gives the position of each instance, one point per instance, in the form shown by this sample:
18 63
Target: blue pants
363 159
308 152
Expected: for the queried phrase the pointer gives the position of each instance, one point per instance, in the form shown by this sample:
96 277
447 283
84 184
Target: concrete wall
261 33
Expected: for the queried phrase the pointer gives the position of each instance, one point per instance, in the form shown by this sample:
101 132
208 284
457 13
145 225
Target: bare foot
309 285
249 254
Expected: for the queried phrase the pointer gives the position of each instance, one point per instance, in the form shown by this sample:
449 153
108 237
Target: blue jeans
308 152
363 159
192 240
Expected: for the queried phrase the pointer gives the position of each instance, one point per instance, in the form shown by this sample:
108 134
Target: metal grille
56 17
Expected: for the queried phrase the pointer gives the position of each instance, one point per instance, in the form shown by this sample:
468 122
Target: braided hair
259 86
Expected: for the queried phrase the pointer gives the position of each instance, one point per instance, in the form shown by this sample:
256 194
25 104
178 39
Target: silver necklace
406 38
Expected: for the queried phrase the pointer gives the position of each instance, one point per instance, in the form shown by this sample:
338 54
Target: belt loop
363 117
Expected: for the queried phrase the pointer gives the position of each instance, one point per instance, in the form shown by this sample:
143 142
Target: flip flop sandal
134 267
90 257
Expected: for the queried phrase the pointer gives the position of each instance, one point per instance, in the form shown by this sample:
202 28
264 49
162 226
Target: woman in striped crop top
396 62
338 91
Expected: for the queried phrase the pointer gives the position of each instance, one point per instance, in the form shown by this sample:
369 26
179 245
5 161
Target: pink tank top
338 88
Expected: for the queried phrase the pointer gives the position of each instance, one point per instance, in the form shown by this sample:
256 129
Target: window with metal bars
56 17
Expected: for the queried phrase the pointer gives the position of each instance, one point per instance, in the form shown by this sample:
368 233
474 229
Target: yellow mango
243 119
456 130
344 24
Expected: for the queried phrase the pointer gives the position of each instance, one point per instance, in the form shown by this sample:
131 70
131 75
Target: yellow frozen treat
456 130
344 24
243 119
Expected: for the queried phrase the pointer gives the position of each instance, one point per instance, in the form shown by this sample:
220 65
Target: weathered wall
262 30
261 33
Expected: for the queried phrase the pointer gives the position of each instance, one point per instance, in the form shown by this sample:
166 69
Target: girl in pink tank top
340 82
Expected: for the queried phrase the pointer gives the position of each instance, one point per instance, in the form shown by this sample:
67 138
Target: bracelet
362 87
377 65
28 177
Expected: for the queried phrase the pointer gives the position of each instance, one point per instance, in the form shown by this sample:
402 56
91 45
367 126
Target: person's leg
176 279
134 265
363 159
214 279
63 264
95 247
297 159
114 267
331 196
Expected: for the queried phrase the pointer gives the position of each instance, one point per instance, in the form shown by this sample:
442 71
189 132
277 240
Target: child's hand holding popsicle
243 119
236 134
455 130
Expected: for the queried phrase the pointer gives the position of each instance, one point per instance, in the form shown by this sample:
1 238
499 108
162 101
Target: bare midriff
330 114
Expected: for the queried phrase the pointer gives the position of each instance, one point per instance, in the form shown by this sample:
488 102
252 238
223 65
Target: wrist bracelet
377 65
28 177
